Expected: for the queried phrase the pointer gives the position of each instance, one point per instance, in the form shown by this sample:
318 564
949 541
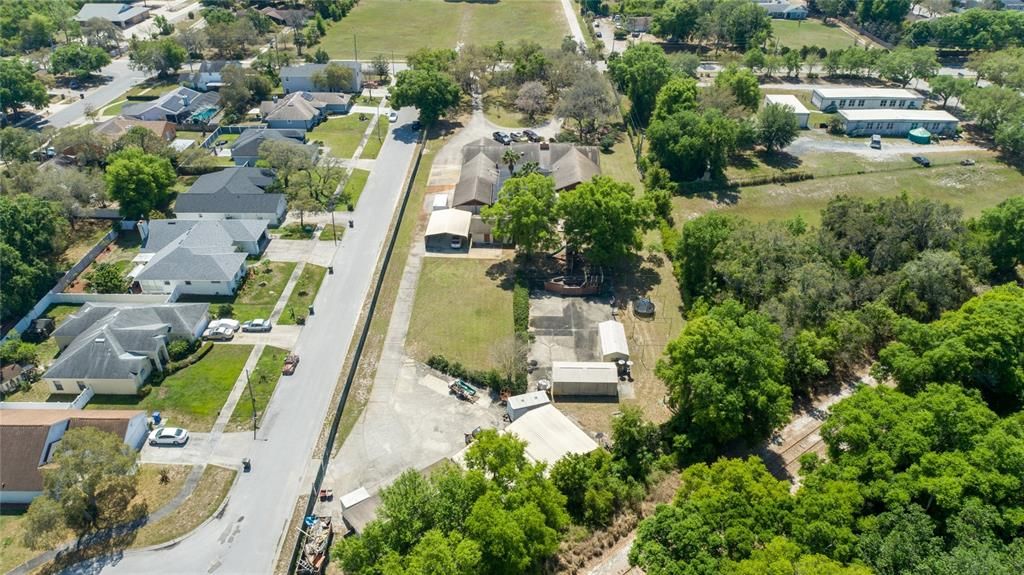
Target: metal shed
584 378
613 340
520 404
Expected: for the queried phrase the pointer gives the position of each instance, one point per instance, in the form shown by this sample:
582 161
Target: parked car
416 125
876 142
518 137
456 243
501 138
257 325
290 363
532 136
922 161
232 324
635 34
168 436
219 334
393 116
967 162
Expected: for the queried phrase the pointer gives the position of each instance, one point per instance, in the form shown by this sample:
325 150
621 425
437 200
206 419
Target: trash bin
246 464
310 310
156 418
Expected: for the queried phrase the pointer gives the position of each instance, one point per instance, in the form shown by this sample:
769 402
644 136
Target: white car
257 325
168 436
222 333
229 323
393 116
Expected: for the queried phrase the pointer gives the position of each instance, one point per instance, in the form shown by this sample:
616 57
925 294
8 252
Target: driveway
260 504
122 78
316 252
283 336
891 147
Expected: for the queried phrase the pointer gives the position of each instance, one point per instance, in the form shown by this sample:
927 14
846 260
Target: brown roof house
28 438
484 172
114 128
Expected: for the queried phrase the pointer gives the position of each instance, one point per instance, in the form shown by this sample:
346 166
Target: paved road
245 538
122 78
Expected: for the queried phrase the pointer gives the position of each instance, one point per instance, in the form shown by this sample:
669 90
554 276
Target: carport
613 341
445 227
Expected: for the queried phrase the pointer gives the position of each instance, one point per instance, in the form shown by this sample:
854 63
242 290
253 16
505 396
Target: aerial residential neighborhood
511 287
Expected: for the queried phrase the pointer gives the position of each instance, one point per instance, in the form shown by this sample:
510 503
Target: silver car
257 325
168 436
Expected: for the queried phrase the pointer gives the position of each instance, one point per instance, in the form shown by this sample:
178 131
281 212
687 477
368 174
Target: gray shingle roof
201 233
111 12
235 180
176 262
233 190
214 66
248 143
182 317
176 102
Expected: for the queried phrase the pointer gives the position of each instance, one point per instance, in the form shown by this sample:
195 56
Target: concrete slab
565 329
283 336
309 251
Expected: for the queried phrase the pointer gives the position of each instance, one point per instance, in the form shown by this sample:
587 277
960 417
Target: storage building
550 435
518 405
897 122
793 103
613 340
584 378
834 99
446 228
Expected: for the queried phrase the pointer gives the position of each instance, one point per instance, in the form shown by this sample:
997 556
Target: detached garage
793 103
584 378
448 230
613 341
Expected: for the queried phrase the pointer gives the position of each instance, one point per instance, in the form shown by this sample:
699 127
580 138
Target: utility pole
355 48
393 64
252 398
334 229
379 139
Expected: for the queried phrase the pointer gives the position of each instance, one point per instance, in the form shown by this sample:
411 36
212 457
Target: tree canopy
433 93
525 213
640 72
603 219
139 182
19 86
34 235
78 60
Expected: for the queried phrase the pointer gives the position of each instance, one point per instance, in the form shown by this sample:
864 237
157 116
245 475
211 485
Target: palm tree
509 158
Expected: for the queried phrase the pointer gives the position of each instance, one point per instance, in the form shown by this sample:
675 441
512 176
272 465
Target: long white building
834 99
897 122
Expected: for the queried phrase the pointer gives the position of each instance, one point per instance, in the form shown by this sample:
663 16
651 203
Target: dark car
922 160
532 136
502 138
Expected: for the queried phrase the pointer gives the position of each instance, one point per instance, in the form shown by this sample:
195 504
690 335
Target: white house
793 103
783 10
209 75
300 78
897 122
28 438
833 99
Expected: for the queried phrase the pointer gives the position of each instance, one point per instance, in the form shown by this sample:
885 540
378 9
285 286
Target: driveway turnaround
246 537
122 77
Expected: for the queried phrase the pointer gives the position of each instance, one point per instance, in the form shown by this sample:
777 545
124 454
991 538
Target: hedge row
521 308
490 378
176 366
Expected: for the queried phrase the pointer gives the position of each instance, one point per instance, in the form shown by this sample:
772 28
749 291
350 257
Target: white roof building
550 435
793 103
518 405
613 340
890 122
584 378
450 221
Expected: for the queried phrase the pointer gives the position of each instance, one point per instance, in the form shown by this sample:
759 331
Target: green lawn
354 186
192 397
332 230
113 109
296 232
341 135
303 294
376 140
798 33
258 295
971 188
459 311
498 109
263 381
440 24
620 164
154 87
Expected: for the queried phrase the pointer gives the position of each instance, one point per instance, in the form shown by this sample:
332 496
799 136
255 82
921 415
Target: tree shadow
779 160
503 272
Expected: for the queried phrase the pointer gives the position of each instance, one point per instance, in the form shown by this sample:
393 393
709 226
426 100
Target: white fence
79 402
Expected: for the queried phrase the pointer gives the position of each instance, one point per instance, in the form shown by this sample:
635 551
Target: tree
163 56
603 219
163 27
101 33
694 254
15 351
592 486
739 23
333 78
145 140
904 64
286 157
934 282
140 182
588 102
78 60
792 61
34 234
832 8
676 19
381 67
195 42
1000 232
883 11
525 213
532 99
106 278
689 144
724 376
635 442
1010 136
640 72
17 144
93 472
432 93
947 87
777 126
743 84
994 105
19 86
432 60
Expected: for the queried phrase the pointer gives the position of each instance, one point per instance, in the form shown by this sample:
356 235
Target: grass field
341 135
204 501
257 297
498 108
798 33
192 397
459 311
440 24
304 293
971 188
375 142
354 186
620 164
263 381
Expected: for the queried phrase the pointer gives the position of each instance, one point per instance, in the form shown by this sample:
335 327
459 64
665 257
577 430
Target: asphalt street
244 539
121 79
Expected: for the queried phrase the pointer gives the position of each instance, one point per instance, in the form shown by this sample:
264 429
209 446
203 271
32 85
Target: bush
521 307
438 362
180 349
669 238
835 125
145 390
176 366
225 310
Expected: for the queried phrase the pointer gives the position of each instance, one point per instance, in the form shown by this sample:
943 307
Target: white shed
520 404
613 341
584 378
793 103
550 435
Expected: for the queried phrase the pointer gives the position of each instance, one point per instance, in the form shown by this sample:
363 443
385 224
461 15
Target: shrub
835 125
669 238
438 362
180 349
521 307
225 310
145 390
